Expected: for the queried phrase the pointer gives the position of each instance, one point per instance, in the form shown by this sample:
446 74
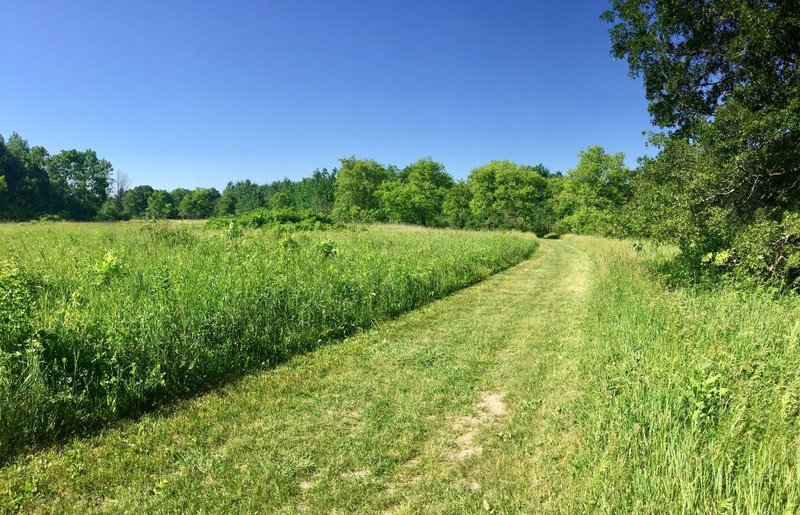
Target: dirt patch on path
490 407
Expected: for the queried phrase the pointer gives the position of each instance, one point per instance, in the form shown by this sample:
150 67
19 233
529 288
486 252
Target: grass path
461 406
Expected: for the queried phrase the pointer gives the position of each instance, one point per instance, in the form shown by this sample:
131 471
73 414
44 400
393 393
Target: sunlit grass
621 395
693 403
376 423
115 318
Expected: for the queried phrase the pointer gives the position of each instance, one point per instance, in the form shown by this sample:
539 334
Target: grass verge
693 402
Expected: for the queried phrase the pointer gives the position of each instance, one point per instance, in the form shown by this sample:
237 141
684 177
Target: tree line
77 185
34 183
497 195
501 194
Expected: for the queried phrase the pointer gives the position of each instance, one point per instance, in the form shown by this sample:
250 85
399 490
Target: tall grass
99 322
693 402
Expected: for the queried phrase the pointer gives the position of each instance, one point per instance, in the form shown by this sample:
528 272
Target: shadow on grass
164 407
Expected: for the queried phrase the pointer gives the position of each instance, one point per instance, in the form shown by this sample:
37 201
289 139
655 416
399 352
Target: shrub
301 219
768 250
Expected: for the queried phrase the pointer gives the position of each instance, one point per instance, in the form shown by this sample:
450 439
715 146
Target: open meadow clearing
572 382
105 321
400 257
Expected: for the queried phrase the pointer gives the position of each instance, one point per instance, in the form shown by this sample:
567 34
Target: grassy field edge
692 400
130 320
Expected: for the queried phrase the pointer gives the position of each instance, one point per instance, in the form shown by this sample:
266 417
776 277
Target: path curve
460 406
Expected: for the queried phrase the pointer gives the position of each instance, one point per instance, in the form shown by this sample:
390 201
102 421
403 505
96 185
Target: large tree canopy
27 186
505 194
357 186
198 204
316 192
695 55
135 201
417 195
161 205
724 75
82 178
722 78
591 196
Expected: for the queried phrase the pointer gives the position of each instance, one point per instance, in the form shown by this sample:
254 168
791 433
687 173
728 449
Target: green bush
300 219
768 250
762 254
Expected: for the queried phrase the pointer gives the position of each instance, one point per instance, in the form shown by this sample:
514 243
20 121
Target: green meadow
614 334
575 381
106 321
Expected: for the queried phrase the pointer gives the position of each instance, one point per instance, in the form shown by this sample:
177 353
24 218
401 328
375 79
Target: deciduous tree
134 201
161 205
3 198
455 207
357 186
417 195
721 77
82 178
505 194
591 196
200 203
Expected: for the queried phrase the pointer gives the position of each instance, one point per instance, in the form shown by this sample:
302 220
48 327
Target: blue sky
196 93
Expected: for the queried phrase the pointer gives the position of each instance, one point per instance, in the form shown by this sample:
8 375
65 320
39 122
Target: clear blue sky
197 93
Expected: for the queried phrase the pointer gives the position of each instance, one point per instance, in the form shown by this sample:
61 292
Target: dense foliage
591 201
504 194
500 194
136 315
287 217
315 193
72 183
417 194
722 79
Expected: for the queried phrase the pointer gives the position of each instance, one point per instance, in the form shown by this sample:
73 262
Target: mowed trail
461 406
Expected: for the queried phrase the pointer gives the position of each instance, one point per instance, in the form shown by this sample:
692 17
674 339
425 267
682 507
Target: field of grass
105 321
449 408
692 401
574 382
